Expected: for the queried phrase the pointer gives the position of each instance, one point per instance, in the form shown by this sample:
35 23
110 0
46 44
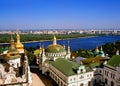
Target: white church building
55 61
14 68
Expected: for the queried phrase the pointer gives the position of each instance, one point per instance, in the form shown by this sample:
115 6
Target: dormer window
81 70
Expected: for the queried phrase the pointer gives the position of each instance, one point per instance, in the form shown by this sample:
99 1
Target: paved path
41 80
36 80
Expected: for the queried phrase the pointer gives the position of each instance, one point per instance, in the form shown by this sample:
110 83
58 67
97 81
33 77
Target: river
77 43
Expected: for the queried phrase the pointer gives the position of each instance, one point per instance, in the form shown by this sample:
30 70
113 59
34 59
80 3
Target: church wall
12 77
78 79
56 54
110 74
15 62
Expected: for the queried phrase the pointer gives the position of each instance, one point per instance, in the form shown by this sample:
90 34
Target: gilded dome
55 48
12 53
19 45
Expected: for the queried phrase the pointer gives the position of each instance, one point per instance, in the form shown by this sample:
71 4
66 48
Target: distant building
14 68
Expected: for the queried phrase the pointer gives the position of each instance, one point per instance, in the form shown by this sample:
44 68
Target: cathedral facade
14 68
56 62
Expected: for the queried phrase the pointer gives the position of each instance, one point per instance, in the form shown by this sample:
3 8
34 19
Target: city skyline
59 14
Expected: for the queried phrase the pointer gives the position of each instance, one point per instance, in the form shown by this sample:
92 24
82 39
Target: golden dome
54 40
55 48
97 50
12 53
19 45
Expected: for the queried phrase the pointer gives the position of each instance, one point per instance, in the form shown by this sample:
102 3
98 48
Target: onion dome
55 50
101 52
97 50
12 53
54 40
19 46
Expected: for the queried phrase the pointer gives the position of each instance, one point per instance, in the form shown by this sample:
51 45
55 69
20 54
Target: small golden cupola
55 48
101 49
12 43
19 46
97 50
12 53
54 40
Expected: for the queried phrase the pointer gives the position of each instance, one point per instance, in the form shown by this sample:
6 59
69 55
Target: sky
59 14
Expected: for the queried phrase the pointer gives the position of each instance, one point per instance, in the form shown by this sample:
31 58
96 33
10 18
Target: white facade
15 62
83 79
111 76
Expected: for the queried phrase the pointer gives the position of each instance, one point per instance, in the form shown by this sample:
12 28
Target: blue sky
59 14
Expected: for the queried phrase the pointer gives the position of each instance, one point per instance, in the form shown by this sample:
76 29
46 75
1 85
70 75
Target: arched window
58 81
112 83
89 83
81 84
106 81
0 74
100 71
81 70
61 83
95 81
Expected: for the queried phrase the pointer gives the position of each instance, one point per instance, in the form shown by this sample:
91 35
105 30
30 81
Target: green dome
101 52
55 49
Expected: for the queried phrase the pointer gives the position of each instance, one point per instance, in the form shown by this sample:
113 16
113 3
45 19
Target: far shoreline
50 40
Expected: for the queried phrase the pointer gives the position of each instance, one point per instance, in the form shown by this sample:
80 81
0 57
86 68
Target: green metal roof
68 67
114 61
93 65
65 66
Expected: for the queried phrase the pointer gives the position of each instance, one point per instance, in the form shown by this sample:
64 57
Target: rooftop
114 61
65 66
55 48
68 67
